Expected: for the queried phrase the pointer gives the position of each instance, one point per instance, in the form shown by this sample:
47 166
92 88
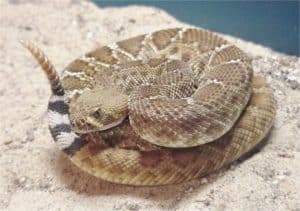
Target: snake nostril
80 122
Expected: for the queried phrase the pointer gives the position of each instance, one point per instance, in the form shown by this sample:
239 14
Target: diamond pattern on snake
160 108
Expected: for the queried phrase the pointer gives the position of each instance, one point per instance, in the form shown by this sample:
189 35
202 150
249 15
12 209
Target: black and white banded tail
58 109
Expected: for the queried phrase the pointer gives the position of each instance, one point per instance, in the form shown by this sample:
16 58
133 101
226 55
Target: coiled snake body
160 108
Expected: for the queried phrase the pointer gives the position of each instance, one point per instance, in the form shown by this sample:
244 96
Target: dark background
271 23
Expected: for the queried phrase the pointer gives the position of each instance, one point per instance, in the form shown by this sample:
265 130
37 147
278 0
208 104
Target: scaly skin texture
166 166
182 103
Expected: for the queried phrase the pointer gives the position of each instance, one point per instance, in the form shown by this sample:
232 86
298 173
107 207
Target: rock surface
36 176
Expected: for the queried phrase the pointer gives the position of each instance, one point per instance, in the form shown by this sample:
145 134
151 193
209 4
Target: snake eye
98 114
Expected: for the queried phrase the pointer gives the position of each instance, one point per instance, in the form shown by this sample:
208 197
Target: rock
7 142
132 206
294 84
44 184
117 207
21 182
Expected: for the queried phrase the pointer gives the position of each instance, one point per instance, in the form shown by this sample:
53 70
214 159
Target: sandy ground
35 175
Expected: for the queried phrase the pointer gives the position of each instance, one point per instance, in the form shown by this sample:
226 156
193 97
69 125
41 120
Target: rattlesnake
159 108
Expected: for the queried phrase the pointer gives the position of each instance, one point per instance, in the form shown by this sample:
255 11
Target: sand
35 175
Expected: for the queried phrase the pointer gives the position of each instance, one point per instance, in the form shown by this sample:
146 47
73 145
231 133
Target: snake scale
159 108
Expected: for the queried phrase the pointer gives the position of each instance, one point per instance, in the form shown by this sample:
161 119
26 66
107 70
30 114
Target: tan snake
160 108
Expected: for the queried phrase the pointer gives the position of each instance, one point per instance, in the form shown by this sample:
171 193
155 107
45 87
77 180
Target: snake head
98 109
